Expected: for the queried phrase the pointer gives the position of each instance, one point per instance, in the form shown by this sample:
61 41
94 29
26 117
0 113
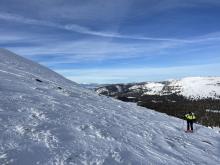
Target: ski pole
183 125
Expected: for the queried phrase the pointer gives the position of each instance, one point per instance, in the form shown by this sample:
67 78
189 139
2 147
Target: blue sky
97 41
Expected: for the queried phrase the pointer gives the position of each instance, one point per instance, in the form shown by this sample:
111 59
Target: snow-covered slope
198 87
46 119
151 88
189 87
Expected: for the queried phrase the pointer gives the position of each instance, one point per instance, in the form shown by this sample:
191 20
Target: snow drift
47 119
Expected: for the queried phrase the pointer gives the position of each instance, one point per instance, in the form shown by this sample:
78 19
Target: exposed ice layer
46 119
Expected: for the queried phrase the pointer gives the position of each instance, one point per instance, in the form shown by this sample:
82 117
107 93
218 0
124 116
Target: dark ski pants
189 125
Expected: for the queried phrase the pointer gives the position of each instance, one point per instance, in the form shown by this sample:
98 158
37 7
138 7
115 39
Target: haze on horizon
96 41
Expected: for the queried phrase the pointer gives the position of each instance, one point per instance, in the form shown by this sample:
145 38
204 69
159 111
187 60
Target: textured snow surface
102 90
199 87
190 87
153 88
56 122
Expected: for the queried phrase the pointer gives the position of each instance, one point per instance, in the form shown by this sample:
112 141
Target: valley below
193 94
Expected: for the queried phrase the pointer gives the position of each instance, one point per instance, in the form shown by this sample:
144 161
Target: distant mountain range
92 85
174 97
190 87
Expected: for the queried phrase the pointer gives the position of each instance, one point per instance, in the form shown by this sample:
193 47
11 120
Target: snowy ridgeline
189 87
198 87
46 119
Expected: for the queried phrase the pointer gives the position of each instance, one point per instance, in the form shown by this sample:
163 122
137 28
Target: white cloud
88 31
11 38
92 50
105 49
119 75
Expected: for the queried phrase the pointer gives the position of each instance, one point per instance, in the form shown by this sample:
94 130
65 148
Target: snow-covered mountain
189 87
91 86
47 119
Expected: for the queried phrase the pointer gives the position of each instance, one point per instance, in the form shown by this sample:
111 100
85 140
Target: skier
190 118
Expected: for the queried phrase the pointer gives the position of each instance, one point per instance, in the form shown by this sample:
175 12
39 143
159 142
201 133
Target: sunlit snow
47 119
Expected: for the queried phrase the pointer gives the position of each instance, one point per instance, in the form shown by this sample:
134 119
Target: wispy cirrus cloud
85 30
77 28
125 75
107 34
5 38
92 50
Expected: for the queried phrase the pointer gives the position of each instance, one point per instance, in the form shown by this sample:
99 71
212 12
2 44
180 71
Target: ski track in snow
56 122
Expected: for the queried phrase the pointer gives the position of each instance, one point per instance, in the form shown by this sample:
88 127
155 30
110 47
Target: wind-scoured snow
46 119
